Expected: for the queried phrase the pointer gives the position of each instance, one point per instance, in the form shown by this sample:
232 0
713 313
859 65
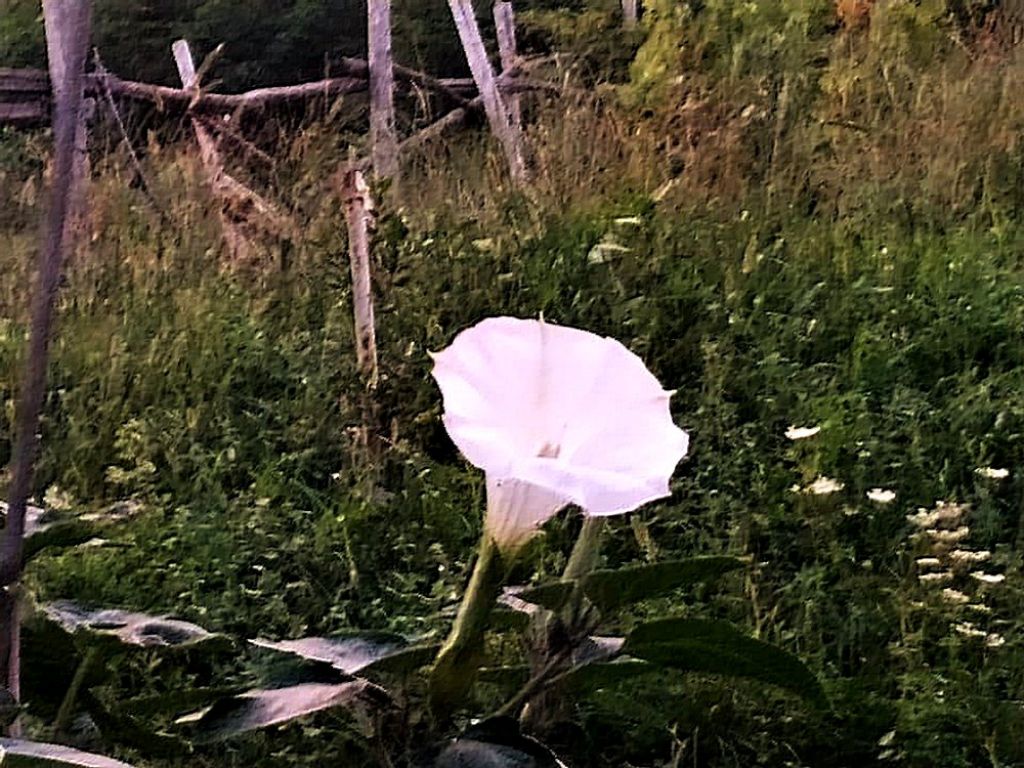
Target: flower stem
459 658
586 549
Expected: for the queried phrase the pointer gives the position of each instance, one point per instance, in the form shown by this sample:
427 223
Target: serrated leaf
262 708
352 653
717 647
136 629
15 753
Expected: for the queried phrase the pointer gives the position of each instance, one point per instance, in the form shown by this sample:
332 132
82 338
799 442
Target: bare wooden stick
67 40
383 138
25 92
505 26
508 134
358 210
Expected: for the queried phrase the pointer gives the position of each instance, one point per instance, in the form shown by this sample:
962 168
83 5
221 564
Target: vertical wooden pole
67 40
630 13
505 25
508 134
358 212
383 138
78 213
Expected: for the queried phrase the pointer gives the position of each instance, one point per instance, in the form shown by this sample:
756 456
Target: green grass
797 271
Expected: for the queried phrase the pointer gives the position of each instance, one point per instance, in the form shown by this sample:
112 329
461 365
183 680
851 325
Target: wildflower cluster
947 563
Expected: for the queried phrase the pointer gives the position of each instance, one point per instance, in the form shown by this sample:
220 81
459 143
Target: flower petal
560 408
516 510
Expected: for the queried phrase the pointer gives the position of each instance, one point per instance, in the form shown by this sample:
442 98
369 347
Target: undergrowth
818 229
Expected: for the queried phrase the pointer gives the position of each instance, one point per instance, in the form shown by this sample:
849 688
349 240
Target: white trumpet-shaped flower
556 416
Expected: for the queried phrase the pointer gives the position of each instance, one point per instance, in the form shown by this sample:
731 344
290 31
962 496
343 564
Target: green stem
586 550
67 706
459 658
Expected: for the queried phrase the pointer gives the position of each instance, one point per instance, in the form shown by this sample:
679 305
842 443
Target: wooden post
630 13
67 40
78 213
358 212
505 25
508 134
383 138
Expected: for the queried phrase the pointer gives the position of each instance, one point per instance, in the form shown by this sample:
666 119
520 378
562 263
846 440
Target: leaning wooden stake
67 40
505 26
508 134
213 164
359 214
383 138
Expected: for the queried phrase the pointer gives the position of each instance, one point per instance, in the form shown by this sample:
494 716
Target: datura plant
555 417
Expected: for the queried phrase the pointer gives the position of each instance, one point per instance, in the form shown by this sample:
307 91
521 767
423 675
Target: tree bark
383 138
67 41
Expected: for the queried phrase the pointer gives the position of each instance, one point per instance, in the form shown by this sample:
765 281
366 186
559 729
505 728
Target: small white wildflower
969 630
988 578
887 739
944 512
954 596
881 495
928 562
58 499
966 556
992 473
824 486
995 641
979 607
949 537
935 578
801 433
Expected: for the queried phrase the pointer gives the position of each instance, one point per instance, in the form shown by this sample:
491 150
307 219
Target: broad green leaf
175 702
134 629
262 708
717 647
352 653
125 729
592 677
609 589
63 534
612 588
15 753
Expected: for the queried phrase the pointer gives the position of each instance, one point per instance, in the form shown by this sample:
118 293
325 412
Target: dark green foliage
715 647
613 588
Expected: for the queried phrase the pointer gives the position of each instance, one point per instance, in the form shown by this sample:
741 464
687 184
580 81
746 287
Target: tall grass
820 230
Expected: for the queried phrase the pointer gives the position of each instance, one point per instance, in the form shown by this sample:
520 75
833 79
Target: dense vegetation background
797 212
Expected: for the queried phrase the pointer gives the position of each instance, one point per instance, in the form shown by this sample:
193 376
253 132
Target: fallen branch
26 89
